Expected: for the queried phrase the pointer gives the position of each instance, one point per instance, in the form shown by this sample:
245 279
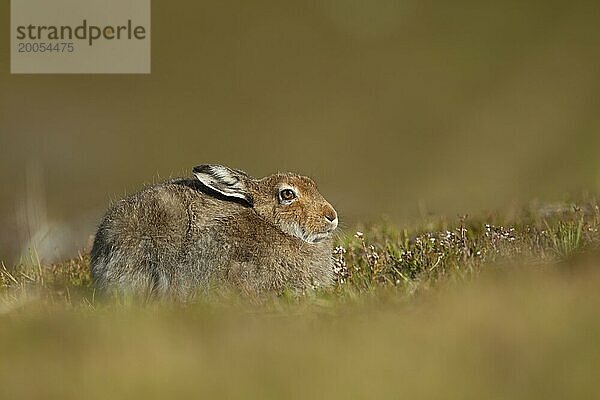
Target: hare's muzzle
331 217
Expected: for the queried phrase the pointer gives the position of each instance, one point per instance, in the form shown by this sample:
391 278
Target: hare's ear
229 182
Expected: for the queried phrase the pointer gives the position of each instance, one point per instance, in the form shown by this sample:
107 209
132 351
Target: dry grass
491 307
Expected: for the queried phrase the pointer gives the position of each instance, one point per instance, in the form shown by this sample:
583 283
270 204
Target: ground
502 305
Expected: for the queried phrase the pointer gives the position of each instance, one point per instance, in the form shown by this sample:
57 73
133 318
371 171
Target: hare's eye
287 194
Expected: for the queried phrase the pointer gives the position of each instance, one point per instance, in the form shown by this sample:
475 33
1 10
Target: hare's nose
331 215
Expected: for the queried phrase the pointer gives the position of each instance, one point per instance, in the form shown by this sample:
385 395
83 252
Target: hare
218 228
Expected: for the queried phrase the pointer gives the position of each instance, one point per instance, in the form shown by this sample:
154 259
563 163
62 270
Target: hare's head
289 201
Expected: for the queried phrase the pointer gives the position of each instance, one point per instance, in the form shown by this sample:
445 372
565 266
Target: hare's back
154 219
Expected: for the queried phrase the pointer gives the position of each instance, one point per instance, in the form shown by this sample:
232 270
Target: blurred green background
396 108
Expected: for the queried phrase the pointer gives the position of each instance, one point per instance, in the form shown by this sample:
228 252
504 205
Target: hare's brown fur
224 228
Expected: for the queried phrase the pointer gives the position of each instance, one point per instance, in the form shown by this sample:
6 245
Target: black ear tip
199 169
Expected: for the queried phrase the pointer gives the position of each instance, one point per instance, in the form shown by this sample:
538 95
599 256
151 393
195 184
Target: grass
497 306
